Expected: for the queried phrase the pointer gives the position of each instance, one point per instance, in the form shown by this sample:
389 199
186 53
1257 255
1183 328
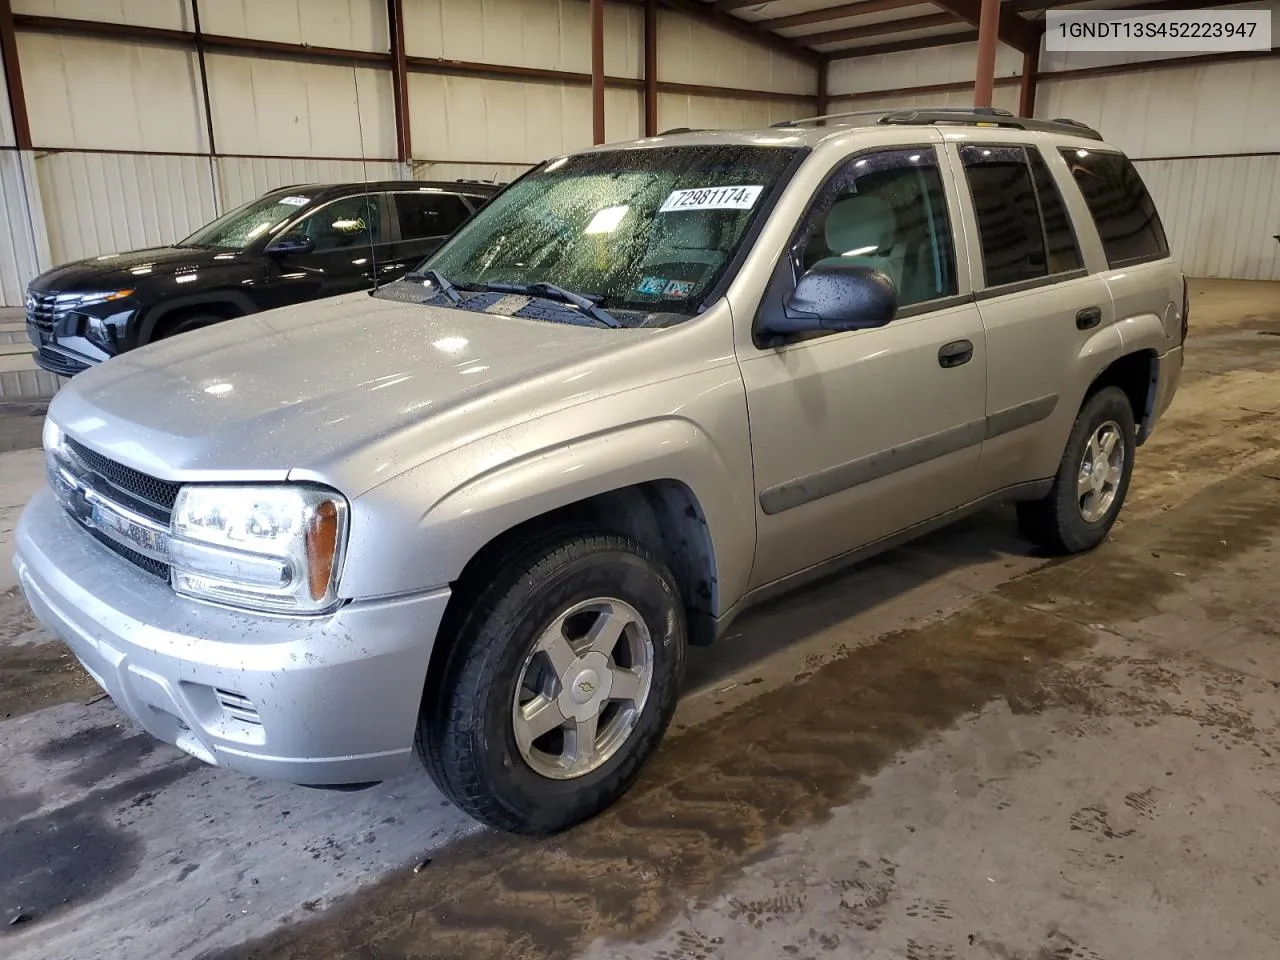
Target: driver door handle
955 353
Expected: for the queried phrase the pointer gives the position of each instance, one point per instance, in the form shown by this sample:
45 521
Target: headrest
861 226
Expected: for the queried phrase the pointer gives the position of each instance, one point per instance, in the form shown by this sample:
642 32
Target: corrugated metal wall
105 103
100 202
1222 214
20 225
1182 125
916 68
1004 96
240 179
170 14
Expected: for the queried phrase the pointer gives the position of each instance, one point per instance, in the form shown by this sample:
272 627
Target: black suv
292 244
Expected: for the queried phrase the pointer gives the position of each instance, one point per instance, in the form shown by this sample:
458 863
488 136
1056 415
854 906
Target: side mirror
292 243
835 297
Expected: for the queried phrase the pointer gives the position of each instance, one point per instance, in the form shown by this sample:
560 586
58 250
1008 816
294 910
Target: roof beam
881 29
896 46
837 13
711 13
1014 31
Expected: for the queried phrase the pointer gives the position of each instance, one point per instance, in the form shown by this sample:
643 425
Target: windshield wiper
441 282
549 291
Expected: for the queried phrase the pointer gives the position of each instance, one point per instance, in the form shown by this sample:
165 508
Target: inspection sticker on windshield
295 201
711 198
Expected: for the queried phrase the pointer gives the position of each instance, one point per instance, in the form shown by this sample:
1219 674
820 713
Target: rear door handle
1088 318
955 353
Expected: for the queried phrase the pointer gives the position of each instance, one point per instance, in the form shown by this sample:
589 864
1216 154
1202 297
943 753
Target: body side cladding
882 463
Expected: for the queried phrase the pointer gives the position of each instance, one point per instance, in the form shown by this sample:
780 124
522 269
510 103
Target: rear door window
1122 209
1060 238
429 214
1008 213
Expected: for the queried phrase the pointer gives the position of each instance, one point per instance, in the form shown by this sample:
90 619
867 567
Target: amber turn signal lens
322 548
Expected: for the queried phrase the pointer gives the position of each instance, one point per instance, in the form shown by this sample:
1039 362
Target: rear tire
1092 479
506 729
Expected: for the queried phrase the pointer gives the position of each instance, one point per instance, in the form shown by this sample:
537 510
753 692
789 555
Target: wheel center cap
584 686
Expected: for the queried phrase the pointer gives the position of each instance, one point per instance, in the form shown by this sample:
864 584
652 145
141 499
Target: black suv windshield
245 224
640 229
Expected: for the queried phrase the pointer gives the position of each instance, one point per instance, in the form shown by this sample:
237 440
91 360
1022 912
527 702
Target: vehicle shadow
972 556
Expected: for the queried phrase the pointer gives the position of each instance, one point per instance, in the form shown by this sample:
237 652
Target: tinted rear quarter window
1004 201
1122 208
429 214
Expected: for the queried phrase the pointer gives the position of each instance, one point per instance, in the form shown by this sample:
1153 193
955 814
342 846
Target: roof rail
805 121
987 116
975 116
674 130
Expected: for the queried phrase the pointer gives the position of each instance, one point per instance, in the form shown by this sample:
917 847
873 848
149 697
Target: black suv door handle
1088 318
955 353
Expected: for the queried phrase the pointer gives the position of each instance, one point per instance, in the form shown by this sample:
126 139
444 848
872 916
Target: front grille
42 310
59 363
153 567
159 495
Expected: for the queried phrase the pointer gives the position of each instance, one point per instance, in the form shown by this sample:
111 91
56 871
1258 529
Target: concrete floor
961 750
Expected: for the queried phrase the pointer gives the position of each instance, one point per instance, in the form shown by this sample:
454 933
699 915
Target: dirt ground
960 750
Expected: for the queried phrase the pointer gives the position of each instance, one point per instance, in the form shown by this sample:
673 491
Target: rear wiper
549 291
441 282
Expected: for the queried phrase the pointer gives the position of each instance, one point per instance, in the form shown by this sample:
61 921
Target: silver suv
479 513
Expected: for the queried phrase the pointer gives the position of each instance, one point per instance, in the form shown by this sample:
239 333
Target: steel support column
13 78
823 81
399 80
650 68
988 38
1027 89
597 70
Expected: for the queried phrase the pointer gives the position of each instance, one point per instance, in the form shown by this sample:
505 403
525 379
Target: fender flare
456 523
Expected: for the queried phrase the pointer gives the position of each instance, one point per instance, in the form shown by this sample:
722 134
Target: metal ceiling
836 29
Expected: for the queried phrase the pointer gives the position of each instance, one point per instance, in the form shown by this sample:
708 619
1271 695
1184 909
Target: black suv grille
42 310
159 495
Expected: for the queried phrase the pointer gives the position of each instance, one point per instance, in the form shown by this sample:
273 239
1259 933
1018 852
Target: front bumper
325 700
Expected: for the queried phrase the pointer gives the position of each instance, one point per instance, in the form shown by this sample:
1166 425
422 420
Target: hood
311 387
112 270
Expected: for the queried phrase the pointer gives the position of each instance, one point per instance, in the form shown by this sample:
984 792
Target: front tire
185 324
1092 479
559 682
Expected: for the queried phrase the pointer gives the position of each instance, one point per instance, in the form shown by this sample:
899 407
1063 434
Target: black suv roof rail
973 116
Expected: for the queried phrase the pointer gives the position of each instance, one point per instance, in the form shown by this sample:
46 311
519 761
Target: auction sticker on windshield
711 198
295 201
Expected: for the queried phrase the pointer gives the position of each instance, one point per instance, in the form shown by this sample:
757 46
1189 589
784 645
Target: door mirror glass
836 296
293 243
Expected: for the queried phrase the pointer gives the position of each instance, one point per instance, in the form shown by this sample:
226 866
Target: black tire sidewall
1109 404
186 325
542 804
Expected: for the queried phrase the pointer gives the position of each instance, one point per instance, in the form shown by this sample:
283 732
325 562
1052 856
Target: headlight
103 296
275 548
51 436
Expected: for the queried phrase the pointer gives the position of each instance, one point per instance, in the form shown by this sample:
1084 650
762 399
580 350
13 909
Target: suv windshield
640 229
245 224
